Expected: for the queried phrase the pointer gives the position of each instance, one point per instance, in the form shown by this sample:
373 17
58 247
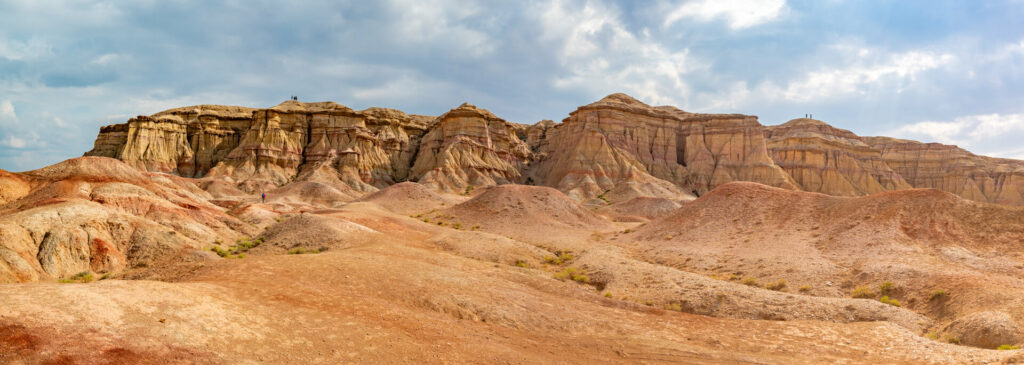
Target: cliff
953 169
654 151
828 160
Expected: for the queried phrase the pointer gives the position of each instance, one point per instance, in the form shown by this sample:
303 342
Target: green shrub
573 274
805 289
777 286
628 230
563 257
932 335
750 282
1008 347
82 277
862 292
886 288
674 307
607 294
296 251
893 302
953 339
937 294
106 276
522 263
457 225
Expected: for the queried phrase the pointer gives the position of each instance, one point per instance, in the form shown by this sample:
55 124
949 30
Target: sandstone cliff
469 146
655 151
953 169
364 149
825 159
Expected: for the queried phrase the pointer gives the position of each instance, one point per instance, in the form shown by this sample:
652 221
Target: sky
930 70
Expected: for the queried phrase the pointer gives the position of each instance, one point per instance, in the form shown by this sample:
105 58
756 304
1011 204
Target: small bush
886 288
607 294
563 257
733 277
750 282
1008 347
573 274
953 340
628 230
457 225
522 263
932 335
937 294
777 286
889 301
106 276
475 227
219 251
805 289
674 307
469 188
82 277
862 292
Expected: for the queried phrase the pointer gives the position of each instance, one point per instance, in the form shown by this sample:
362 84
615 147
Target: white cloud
13 142
7 114
893 71
600 55
442 21
23 51
738 13
990 134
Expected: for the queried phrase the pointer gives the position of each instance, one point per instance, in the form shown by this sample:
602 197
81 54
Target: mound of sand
641 208
986 329
534 214
408 198
310 232
312 193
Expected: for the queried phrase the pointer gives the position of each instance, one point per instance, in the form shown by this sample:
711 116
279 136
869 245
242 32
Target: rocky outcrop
469 146
953 169
660 151
825 159
365 149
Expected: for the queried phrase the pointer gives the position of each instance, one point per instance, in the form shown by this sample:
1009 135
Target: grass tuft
1008 347
777 286
893 302
862 292
937 294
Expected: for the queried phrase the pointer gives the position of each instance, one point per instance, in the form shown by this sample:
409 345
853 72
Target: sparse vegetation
563 257
106 276
522 263
893 302
750 282
932 335
601 196
862 292
457 225
469 188
82 277
886 288
302 251
238 250
574 274
674 307
937 294
805 289
475 227
1008 347
628 230
607 294
953 339
777 286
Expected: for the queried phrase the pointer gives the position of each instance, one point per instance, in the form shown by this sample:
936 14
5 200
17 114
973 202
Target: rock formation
953 169
825 159
607 152
662 151
469 146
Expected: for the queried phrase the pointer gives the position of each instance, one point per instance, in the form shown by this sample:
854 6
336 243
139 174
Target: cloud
895 71
7 114
13 142
994 134
23 51
739 14
599 54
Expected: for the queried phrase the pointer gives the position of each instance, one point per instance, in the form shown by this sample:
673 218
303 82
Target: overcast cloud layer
936 71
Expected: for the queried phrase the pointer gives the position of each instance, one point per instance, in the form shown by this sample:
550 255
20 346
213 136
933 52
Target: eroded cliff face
953 169
620 145
365 149
825 159
469 146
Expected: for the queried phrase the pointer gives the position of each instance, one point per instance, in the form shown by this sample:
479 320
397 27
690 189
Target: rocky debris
469 146
953 169
671 153
824 159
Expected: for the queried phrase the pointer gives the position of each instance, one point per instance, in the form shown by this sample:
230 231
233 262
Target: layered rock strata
953 169
469 146
662 151
825 159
